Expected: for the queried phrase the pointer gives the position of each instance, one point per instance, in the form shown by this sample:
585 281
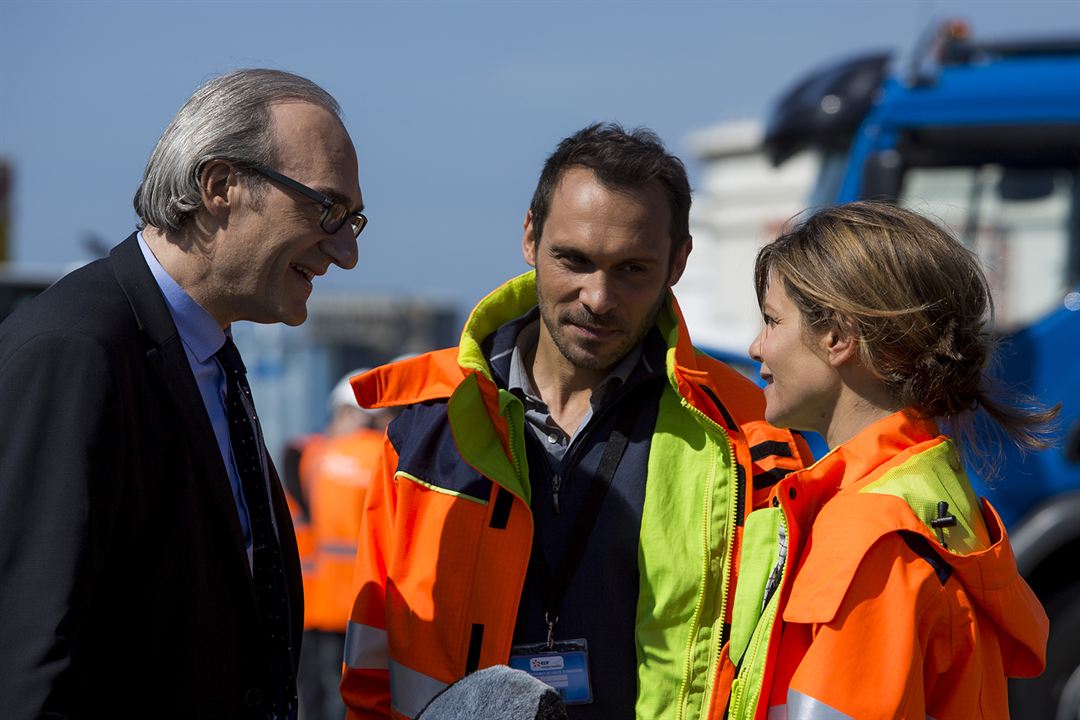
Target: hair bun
946 380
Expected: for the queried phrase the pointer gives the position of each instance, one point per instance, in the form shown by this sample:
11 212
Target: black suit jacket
124 582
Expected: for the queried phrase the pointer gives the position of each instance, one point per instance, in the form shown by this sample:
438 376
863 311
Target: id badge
565 667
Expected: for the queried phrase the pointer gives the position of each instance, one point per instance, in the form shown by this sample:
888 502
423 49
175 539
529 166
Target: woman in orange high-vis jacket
873 584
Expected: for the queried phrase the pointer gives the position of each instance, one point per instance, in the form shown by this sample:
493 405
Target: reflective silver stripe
807 708
365 647
804 707
411 691
338 549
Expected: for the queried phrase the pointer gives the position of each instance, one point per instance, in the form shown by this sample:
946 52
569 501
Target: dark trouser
319 675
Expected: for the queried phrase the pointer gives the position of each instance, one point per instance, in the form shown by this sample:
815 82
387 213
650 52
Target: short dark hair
621 160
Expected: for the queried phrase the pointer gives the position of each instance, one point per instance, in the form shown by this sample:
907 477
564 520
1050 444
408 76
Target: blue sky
453 106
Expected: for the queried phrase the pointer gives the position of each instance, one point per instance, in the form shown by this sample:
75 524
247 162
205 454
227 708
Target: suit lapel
165 355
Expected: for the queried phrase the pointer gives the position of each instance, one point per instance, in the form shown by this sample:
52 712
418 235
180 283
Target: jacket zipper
513 436
735 703
725 585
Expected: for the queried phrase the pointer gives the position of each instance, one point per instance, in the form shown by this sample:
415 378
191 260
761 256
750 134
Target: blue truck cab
985 138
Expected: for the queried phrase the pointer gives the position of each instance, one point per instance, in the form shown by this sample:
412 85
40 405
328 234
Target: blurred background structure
453 107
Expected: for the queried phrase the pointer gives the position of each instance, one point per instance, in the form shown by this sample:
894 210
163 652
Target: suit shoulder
87 301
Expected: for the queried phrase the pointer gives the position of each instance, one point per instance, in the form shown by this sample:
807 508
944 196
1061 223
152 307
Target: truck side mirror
882 175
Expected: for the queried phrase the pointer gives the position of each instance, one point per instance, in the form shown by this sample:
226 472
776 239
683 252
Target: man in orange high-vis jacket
563 491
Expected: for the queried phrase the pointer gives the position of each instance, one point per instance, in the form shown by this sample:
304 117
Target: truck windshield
1023 222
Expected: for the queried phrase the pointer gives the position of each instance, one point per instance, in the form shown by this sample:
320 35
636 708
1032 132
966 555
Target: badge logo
550 662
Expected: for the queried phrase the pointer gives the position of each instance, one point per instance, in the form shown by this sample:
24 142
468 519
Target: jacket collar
486 331
499 346
142 291
199 331
885 443
434 375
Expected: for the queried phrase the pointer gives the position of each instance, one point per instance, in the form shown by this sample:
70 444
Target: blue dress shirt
202 337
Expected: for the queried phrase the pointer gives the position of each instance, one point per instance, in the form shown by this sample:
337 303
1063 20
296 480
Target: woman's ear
840 343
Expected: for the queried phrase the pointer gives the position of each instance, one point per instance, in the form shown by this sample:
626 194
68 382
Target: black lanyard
554 586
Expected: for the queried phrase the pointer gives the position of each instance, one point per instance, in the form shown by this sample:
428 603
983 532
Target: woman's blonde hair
916 300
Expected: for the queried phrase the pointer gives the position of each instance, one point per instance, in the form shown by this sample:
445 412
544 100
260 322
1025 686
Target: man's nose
598 294
341 247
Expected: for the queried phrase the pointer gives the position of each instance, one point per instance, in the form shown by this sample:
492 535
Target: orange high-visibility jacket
448 529
338 483
880 611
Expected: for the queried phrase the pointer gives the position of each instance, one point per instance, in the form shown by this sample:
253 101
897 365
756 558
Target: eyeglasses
334 214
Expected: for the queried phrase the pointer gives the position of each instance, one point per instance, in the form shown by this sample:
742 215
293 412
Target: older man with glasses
147 560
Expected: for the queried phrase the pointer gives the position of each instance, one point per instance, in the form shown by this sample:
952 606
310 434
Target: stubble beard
586 354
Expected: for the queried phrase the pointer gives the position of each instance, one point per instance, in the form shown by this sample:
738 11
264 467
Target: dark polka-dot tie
267 573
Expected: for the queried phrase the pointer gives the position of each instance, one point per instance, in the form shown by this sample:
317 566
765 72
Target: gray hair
228 118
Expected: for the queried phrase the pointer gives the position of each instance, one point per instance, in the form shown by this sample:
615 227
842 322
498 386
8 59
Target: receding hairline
273 119
275 135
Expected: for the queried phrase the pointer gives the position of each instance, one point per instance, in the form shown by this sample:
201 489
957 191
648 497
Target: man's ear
678 263
528 240
840 343
216 179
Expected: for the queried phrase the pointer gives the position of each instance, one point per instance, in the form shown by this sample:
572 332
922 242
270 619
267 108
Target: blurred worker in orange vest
297 448
334 471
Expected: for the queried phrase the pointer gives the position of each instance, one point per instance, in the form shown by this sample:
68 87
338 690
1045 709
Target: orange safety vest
340 477
310 448
880 612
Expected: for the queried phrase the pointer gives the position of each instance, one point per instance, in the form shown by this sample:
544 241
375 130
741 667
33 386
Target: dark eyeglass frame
334 214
